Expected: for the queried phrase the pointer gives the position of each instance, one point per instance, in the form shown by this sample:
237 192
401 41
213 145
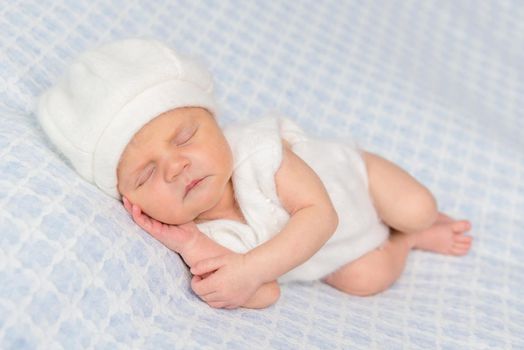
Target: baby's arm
203 248
313 220
194 246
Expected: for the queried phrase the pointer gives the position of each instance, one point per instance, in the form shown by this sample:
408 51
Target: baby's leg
407 206
401 201
204 248
378 269
410 210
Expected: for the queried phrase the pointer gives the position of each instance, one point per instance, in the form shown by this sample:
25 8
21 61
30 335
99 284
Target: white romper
257 155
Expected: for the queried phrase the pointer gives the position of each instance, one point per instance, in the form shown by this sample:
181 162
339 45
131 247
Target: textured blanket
436 86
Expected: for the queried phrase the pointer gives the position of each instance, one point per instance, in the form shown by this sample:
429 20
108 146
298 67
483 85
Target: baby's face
177 166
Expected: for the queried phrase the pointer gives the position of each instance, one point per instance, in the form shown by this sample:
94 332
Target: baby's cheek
167 213
157 211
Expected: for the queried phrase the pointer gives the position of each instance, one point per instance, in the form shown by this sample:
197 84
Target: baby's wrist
258 270
193 245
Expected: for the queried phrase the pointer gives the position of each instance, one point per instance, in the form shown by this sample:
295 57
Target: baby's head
136 119
177 166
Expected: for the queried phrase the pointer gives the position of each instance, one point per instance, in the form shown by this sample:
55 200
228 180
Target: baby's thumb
206 266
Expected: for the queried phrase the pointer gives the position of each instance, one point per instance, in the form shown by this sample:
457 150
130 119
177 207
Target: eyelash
183 142
141 182
186 139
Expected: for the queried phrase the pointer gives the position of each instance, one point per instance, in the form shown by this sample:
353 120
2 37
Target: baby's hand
229 282
177 238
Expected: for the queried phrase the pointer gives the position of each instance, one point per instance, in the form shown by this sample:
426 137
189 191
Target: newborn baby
248 206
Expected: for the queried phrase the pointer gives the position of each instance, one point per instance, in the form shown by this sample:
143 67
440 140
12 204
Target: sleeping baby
247 206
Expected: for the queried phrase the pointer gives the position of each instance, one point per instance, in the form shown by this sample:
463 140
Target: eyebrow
184 125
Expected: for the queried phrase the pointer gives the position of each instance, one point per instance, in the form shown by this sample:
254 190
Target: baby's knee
422 210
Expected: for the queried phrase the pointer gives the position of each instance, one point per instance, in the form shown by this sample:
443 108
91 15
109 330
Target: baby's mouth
192 185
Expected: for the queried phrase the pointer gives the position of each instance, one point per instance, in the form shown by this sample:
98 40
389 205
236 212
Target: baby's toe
458 251
461 247
460 238
461 226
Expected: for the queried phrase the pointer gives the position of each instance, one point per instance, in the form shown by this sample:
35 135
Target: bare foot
446 236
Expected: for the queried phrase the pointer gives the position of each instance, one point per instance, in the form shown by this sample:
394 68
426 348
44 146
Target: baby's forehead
136 142
162 125
146 132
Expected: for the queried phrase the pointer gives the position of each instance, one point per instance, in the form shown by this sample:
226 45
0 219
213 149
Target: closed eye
145 176
185 136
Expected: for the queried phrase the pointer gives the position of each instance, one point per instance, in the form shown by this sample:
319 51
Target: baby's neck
227 208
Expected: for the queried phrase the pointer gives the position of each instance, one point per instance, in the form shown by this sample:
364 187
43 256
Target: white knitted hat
109 93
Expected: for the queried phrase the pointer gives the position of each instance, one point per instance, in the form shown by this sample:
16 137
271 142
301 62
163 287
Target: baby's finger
207 266
141 219
135 211
156 229
212 297
202 286
127 204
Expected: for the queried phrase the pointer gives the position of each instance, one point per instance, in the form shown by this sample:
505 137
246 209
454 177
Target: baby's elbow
266 296
334 219
331 218
274 294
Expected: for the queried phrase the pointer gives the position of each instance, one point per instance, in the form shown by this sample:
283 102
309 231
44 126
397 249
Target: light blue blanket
436 86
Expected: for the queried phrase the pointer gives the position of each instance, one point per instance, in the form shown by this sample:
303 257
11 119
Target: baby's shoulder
266 126
253 137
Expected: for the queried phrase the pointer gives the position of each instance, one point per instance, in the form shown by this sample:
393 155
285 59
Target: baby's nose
175 166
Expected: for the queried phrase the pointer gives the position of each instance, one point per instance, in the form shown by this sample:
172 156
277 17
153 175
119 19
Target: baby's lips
191 185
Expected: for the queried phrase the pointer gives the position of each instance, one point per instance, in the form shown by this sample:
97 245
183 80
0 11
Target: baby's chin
173 220
177 222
